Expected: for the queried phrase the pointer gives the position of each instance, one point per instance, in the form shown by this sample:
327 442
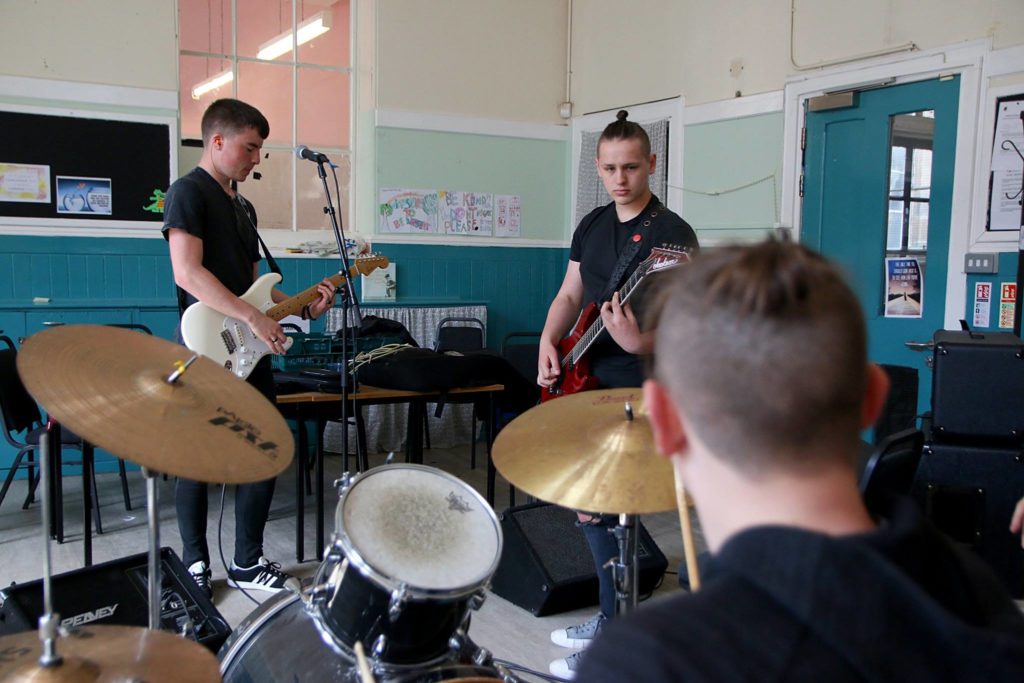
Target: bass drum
282 641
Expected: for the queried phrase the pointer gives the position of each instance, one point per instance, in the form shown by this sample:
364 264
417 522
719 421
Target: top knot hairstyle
231 117
621 129
764 349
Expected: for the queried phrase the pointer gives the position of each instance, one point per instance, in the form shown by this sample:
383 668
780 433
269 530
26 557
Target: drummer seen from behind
634 222
761 386
211 231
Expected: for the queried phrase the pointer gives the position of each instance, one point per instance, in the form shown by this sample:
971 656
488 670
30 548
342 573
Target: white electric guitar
231 342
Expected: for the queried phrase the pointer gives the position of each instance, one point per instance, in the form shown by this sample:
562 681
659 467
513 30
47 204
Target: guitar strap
271 263
627 255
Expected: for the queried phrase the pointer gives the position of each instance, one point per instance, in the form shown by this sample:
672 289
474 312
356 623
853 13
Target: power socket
981 263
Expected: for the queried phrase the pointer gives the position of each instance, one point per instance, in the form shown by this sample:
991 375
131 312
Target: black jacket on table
782 604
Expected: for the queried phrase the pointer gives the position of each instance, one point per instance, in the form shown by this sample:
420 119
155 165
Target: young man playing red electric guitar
215 257
635 222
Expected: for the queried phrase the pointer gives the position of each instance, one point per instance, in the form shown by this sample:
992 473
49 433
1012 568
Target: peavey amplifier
116 592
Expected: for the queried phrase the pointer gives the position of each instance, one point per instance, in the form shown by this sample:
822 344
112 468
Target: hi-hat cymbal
109 385
584 452
110 654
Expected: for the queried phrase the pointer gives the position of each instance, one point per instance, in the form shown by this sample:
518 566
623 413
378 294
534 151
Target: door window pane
894 230
921 168
897 166
917 234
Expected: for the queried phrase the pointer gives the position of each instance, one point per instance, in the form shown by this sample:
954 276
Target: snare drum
414 550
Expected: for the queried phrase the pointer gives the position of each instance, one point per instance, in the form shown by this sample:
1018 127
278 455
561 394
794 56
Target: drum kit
414 548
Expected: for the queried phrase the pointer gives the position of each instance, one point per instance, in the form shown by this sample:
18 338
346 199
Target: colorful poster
84 195
1007 304
903 292
24 183
408 211
466 213
507 215
982 304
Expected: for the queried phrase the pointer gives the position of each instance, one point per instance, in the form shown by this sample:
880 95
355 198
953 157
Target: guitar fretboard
597 327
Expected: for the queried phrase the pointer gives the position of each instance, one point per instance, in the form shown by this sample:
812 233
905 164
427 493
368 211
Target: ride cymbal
109 385
110 654
584 452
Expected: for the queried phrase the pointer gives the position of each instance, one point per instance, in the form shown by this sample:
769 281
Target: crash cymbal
583 451
109 654
109 385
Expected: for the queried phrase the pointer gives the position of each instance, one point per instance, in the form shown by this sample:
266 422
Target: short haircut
232 117
621 129
763 348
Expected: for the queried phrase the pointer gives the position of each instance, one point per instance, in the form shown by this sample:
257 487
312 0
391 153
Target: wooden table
322 407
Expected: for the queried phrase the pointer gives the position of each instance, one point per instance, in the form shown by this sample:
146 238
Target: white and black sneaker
202 575
580 635
262 576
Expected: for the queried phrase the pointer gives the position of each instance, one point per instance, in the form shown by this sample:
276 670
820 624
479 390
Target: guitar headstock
365 265
666 256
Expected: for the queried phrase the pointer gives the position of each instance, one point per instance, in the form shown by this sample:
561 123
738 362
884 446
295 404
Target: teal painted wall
721 156
1007 275
536 170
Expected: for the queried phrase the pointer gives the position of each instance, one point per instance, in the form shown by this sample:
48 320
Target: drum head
419 526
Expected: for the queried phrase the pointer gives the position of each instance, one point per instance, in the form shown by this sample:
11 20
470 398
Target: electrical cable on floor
220 544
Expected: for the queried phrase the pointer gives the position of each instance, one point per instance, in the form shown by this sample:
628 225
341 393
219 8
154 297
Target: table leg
300 490
489 427
414 431
320 425
362 453
87 460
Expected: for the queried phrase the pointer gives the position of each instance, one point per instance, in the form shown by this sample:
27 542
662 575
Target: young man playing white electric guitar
215 256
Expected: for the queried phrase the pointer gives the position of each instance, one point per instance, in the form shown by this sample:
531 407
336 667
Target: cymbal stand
50 620
154 578
624 567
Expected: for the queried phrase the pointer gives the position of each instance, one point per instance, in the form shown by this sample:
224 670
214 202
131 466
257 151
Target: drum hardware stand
49 622
624 567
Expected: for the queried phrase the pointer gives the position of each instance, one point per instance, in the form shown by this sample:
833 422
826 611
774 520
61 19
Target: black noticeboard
133 156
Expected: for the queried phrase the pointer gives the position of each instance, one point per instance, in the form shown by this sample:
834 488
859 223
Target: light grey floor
510 632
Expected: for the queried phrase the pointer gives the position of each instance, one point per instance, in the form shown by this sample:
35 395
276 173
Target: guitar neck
597 327
293 306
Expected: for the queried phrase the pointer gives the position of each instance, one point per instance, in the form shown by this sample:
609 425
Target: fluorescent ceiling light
212 83
318 24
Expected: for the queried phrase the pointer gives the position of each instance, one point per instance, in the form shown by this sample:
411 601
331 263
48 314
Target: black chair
463 335
891 468
520 349
21 416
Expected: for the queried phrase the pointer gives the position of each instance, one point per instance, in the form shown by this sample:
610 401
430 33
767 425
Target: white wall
497 59
644 50
113 42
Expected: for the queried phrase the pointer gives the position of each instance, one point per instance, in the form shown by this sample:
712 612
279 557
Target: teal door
878 183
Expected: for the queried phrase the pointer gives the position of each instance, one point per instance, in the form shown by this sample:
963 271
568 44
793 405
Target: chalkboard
127 164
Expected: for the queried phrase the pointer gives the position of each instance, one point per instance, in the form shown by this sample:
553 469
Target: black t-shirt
197 204
596 245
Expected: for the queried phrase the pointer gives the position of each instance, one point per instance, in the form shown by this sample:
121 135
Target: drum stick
689 550
365 675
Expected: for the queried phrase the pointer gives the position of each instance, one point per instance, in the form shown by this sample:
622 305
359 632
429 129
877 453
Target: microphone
304 152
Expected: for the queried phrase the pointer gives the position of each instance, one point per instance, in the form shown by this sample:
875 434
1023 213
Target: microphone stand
348 302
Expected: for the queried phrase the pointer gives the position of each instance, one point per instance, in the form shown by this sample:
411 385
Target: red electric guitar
575 375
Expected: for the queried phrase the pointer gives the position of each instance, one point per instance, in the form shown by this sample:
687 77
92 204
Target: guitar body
576 376
229 341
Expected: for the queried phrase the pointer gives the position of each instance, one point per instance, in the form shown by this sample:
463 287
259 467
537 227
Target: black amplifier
117 592
978 386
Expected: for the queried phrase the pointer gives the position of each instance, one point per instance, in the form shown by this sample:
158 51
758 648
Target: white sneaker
566 668
201 574
580 635
262 576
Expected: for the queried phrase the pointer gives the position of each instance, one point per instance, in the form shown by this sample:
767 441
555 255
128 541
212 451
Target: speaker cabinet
546 566
117 592
978 386
969 492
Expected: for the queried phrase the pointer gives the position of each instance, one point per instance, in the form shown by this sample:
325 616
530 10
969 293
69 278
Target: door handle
919 346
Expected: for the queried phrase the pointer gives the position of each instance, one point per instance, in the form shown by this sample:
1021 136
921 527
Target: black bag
372 326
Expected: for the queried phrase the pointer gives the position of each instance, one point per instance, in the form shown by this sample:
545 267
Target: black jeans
252 502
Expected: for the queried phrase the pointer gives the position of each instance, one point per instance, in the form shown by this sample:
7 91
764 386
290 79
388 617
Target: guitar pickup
229 341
